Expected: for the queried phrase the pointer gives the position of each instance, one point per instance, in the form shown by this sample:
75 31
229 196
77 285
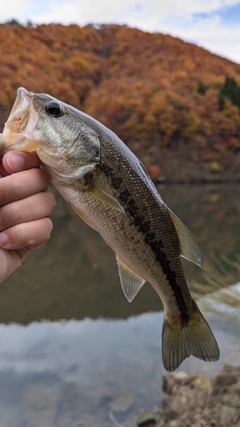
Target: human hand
25 205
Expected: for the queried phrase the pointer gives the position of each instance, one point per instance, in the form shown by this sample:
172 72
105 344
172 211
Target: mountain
176 105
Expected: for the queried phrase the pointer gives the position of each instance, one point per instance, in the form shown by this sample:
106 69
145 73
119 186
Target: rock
228 415
227 377
170 382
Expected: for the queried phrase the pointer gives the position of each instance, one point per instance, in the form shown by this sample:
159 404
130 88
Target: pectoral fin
189 248
100 193
130 282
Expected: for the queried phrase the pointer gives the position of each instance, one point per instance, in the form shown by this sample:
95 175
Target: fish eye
53 109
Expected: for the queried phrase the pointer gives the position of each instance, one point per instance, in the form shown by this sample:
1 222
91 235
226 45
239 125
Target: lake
74 352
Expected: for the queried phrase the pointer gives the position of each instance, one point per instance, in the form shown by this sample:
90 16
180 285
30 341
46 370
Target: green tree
229 90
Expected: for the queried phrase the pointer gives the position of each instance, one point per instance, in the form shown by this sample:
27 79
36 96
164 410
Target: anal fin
131 283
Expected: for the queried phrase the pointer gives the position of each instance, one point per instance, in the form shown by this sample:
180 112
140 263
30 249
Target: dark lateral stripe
157 247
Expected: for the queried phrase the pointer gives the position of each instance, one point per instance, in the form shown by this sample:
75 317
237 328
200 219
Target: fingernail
3 239
15 161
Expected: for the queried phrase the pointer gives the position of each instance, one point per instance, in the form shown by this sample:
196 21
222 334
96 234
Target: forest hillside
176 105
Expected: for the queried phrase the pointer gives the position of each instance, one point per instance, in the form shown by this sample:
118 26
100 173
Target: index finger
15 161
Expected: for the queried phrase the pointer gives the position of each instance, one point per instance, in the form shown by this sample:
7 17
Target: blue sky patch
227 14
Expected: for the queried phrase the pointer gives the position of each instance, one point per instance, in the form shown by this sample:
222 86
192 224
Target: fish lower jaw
13 142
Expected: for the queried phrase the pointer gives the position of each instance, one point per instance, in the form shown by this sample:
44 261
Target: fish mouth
18 130
18 118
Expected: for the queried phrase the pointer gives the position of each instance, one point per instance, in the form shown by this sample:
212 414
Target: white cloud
86 11
165 9
231 2
83 12
14 9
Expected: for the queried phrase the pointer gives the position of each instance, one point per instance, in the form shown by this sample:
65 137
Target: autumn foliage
153 90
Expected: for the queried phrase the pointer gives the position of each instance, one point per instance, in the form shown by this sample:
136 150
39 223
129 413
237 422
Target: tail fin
180 342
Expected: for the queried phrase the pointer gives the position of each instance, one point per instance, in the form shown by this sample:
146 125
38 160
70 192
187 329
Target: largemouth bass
110 189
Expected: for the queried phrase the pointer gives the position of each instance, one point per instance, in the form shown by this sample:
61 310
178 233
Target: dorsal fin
189 248
130 282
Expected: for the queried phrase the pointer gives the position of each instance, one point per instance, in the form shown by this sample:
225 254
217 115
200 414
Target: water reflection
75 274
71 374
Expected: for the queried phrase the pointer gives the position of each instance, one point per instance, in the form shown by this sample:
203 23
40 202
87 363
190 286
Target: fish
110 189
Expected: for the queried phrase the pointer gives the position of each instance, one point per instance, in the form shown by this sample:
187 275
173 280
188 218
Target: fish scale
110 189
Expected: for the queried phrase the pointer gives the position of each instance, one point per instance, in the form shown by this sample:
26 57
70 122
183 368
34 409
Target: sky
212 24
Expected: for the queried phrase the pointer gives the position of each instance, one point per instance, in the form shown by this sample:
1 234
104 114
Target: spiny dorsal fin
189 248
130 282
